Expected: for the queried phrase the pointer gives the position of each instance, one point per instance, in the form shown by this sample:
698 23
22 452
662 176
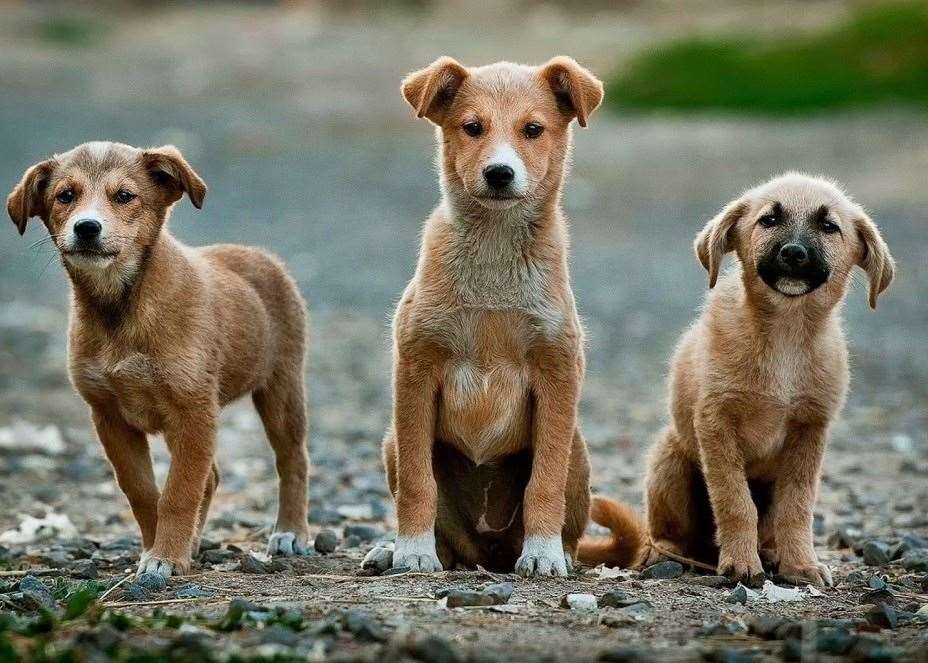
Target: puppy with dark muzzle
163 335
755 385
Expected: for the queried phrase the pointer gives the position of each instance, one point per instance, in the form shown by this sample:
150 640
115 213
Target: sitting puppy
163 335
484 457
755 384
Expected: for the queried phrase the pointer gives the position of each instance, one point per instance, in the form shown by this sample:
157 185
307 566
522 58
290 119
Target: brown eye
65 197
769 220
829 227
533 130
473 129
122 196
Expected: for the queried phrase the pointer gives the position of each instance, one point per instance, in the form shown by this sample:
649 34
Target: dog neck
775 316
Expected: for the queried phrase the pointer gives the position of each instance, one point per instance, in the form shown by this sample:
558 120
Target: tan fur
755 384
488 348
165 335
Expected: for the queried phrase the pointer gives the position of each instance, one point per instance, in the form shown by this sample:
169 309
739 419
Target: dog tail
624 546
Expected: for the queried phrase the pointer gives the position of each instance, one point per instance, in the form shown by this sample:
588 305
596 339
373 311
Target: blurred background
292 114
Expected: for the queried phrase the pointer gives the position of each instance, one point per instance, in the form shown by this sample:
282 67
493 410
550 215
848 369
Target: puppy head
504 129
104 203
797 236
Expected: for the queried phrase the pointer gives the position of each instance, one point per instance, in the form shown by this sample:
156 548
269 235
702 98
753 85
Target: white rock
24 436
776 594
583 602
30 529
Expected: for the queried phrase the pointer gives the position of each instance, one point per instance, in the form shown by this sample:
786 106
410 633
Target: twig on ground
128 604
128 575
31 572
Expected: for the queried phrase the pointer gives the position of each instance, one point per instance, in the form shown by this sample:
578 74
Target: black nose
498 175
794 255
87 229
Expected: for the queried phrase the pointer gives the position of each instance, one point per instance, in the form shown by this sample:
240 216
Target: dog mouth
89 254
792 284
498 201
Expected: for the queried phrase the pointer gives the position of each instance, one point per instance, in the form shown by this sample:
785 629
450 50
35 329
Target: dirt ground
293 117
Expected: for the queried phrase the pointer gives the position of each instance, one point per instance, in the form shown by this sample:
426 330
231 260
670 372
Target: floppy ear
28 197
578 92
171 171
430 91
874 257
716 240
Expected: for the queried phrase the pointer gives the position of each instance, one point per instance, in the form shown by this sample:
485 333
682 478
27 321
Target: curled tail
626 542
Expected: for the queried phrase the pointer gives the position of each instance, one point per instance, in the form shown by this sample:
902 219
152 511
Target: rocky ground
308 149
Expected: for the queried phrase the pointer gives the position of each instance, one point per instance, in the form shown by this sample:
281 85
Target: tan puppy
755 384
163 335
484 451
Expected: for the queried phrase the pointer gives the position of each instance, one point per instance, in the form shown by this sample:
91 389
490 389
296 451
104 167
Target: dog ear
578 92
171 171
28 197
716 239
874 257
430 91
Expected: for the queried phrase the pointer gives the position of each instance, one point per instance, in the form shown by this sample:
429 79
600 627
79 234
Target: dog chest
135 381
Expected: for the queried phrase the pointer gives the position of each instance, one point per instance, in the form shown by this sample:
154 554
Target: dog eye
65 197
533 130
769 220
122 196
829 227
473 129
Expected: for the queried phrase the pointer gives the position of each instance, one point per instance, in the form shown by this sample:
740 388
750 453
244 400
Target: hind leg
578 497
672 518
211 484
283 411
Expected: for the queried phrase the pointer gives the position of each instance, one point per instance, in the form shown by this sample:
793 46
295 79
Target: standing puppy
755 384
484 457
163 335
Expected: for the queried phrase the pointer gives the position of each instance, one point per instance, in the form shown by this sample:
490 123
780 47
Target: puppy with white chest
163 335
755 384
484 457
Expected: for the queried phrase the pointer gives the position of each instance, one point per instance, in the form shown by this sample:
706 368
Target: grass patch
70 31
880 56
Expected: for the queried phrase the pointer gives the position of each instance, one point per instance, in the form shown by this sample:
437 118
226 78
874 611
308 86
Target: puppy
484 457
755 384
163 335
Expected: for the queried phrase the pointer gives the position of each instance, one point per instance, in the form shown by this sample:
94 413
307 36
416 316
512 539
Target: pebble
396 570
738 595
192 591
216 556
132 591
500 592
457 598
883 615
35 594
366 533
855 578
876 582
714 582
876 553
766 626
915 560
878 597
362 626
581 602
432 649
251 564
352 541
615 598
665 570
85 569
153 582
326 541
209 544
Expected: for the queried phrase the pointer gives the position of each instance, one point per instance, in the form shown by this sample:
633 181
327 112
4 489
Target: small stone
85 569
352 541
209 544
499 592
581 602
362 626
738 595
665 570
615 598
714 582
366 533
216 556
915 560
379 558
878 597
876 553
922 613
833 640
153 582
432 649
876 582
457 598
396 570
883 615
766 626
192 591
132 591
855 578
326 541
251 564
35 594
279 635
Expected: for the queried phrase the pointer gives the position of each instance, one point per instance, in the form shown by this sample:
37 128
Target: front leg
191 439
794 496
554 421
414 415
735 513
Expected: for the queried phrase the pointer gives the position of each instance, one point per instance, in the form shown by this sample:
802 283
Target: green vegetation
880 56
70 30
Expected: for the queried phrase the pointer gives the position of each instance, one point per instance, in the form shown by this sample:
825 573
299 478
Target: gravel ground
308 149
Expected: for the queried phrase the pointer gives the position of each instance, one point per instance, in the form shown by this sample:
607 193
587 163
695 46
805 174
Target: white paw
380 557
286 544
150 564
543 556
417 553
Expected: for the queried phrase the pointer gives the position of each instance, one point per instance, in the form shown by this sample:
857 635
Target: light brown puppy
755 384
163 335
484 456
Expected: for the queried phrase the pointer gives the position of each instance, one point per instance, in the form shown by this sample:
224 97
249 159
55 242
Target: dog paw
746 568
813 573
165 568
417 553
543 556
380 557
287 544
